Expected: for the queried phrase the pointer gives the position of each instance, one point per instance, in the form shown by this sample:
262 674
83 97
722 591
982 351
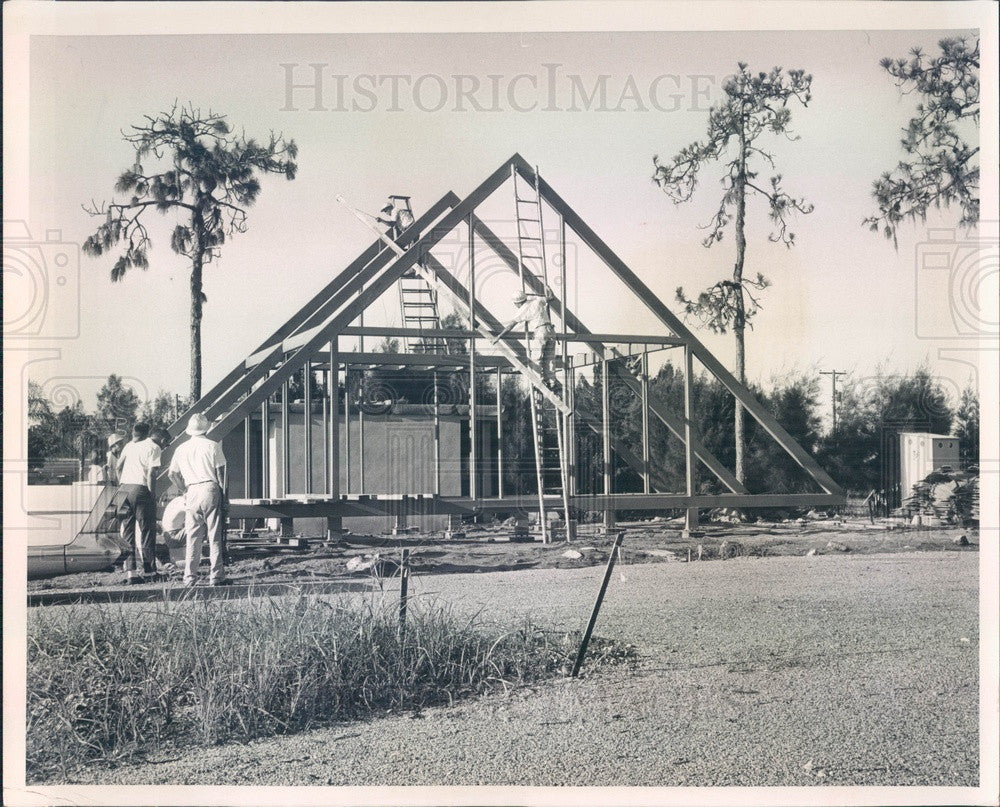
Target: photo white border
24 18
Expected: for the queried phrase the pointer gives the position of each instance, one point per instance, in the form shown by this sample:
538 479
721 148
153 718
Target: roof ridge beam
378 286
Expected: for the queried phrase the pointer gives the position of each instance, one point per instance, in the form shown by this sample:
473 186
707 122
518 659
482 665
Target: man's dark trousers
139 509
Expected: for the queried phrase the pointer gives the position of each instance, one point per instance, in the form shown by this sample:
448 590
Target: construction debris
944 496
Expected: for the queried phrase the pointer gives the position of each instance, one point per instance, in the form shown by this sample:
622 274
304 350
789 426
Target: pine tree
197 169
754 105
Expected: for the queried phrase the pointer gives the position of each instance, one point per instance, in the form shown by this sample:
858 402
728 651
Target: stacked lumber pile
945 496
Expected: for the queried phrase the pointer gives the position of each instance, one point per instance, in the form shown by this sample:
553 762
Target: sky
842 298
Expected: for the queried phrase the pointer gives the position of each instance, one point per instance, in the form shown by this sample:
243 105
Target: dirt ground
266 559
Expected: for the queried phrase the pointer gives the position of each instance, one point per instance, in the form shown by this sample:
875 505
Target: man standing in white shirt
198 468
136 469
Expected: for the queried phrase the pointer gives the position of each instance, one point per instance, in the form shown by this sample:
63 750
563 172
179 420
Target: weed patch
109 684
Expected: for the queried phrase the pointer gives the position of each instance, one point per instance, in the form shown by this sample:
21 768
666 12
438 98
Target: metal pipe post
437 434
404 581
326 431
609 515
597 605
473 431
286 471
307 376
361 450
246 458
334 524
347 427
645 421
499 434
691 515
265 450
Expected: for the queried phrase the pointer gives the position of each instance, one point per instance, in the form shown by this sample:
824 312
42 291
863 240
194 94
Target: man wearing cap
198 468
397 218
533 313
137 468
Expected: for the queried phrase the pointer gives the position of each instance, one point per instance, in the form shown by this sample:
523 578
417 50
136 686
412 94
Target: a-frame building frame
311 340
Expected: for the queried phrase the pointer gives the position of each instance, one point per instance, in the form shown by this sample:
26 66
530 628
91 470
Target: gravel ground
489 549
823 670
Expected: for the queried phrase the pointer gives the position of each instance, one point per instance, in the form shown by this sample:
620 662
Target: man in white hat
198 468
533 313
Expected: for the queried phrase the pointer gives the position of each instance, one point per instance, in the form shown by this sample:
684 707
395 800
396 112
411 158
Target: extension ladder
550 454
549 438
541 393
419 309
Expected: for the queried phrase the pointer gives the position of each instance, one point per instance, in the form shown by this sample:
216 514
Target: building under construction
330 419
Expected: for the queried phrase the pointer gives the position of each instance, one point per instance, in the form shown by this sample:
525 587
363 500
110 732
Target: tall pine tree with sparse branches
940 167
192 165
755 105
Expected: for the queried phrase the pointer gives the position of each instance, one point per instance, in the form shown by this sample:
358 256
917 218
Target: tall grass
113 683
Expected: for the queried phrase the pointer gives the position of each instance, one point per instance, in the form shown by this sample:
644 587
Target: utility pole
833 401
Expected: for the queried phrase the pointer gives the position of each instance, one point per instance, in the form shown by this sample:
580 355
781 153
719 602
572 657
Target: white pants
542 350
203 515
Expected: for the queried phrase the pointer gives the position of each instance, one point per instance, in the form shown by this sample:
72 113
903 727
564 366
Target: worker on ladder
398 217
533 313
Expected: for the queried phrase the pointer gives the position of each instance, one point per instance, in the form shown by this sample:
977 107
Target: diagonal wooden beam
365 298
587 417
673 322
370 261
464 305
674 424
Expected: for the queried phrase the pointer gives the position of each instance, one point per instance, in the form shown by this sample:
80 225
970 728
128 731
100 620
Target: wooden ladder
419 309
540 391
550 460
550 455
418 306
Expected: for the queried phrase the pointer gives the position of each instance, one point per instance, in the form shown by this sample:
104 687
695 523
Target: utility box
922 452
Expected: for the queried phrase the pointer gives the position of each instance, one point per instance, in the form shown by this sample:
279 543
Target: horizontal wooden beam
433 505
418 360
459 333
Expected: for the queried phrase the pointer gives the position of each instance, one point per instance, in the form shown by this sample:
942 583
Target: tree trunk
739 321
197 259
